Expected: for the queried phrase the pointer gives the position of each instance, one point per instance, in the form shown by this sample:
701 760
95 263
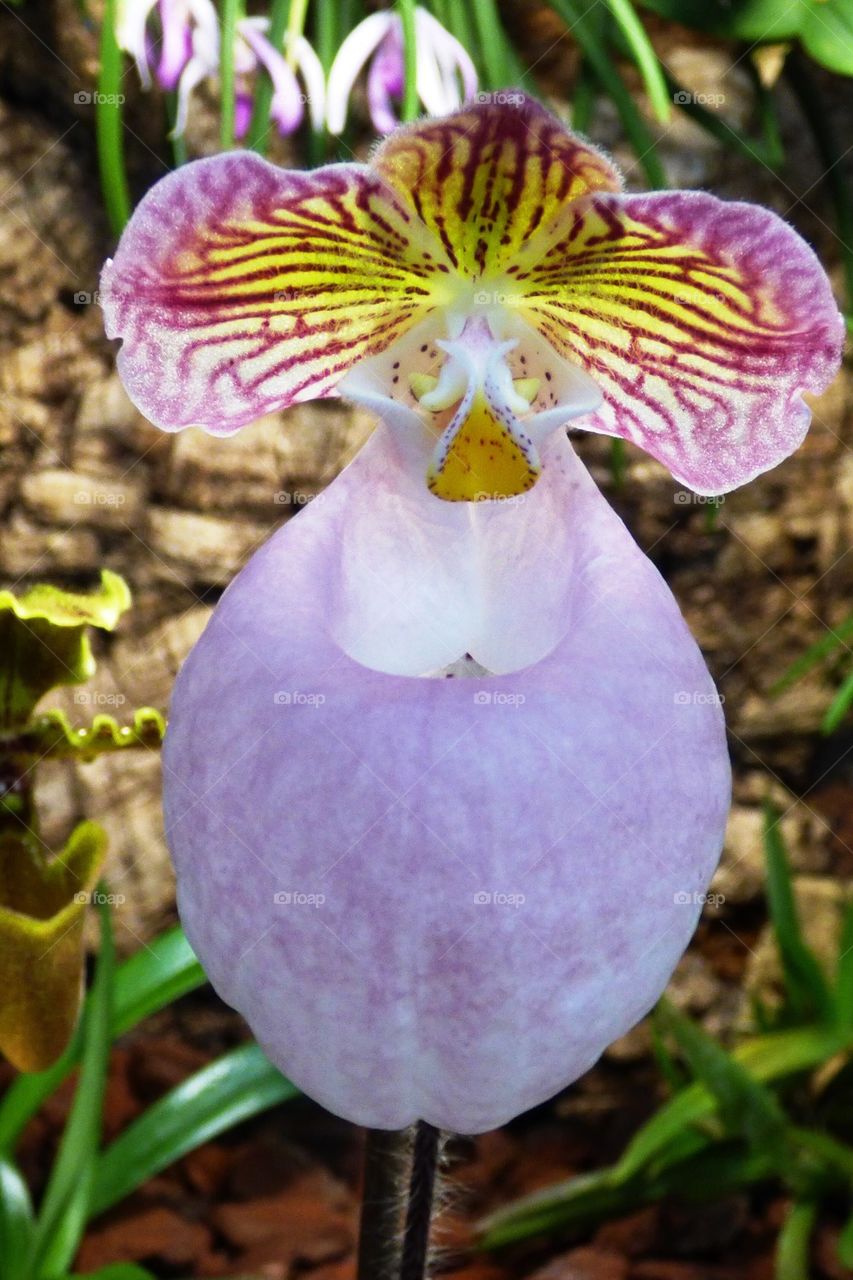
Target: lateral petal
701 320
239 288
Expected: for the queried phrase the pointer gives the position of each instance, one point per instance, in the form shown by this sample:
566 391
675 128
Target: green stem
576 18
617 462
583 98
409 109
327 37
230 14
831 158
108 125
179 143
644 56
387 1165
768 118
490 34
752 148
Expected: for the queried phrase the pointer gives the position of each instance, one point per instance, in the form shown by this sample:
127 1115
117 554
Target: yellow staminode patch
484 459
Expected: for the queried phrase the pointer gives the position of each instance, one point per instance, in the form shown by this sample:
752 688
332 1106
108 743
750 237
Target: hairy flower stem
399 1182
421 1196
387 1165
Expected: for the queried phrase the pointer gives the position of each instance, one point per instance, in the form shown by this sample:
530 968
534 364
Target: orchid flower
446 777
190 54
445 76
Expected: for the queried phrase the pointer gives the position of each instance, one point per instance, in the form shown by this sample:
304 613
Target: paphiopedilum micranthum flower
442 898
189 53
445 76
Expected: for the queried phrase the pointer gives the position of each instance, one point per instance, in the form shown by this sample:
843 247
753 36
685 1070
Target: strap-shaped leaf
235 1087
747 1108
807 989
16 1221
62 1216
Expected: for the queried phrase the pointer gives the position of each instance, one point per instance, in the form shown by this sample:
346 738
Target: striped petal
239 288
487 178
701 321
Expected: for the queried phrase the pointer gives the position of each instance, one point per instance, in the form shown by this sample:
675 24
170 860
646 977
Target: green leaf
844 973
44 641
766 1058
153 977
645 57
792 1247
584 1201
109 124
845 1243
117 1271
807 989
575 16
410 104
238 1085
16 1221
837 710
815 654
825 27
230 13
746 1107
492 41
62 1215
156 975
